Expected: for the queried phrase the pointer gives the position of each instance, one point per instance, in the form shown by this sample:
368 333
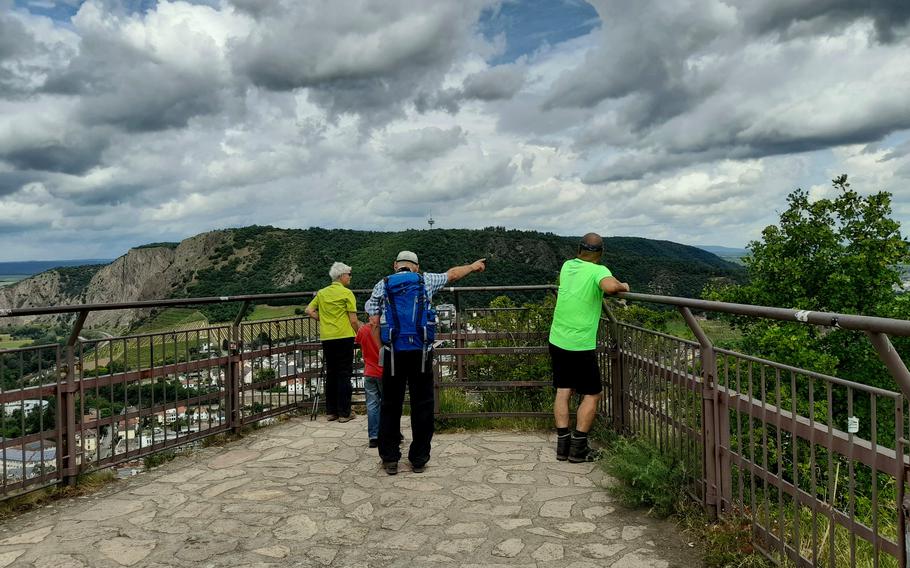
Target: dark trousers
338 355
420 385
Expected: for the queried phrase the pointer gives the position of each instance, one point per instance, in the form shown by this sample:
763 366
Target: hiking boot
348 418
562 446
418 468
374 443
390 467
331 417
580 451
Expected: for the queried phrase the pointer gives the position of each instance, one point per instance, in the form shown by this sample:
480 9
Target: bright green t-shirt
578 305
334 302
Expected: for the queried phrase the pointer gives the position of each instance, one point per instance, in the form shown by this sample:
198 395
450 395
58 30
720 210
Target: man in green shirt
573 343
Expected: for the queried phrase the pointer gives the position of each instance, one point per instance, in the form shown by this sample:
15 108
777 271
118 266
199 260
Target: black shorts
576 370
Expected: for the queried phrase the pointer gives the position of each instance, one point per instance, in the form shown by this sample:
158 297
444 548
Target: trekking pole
316 396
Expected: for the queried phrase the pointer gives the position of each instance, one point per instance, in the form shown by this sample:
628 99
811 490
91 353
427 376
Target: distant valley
262 259
12 272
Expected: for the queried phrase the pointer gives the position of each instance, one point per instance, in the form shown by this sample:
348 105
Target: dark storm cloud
367 59
743 143
14 38
424 144
75 154
134 90
501 82
890 16
642 62
11 182
695 82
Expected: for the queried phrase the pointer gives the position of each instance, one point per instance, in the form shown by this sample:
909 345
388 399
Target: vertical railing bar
852 479
794 408
780 465
739 432
813 469
3 416
876 545
755 515
766 519
832 527
126 404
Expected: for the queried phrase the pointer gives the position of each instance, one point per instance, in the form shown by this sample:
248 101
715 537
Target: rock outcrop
147 273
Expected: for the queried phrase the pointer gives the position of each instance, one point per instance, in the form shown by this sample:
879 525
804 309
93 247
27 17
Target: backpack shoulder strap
422 298
395 324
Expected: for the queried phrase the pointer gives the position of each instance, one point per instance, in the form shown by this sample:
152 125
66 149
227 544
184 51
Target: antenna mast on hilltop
431 222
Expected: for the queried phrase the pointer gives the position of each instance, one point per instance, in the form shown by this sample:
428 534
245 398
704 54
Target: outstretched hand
479 265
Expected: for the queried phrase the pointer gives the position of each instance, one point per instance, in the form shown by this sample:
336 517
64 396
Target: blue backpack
410 321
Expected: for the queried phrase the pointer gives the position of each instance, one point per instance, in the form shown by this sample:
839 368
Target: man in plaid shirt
409 370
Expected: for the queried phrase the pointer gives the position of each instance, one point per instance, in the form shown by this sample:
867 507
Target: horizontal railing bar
491 350
495 415
145 304
17 443
28 393
659 334
815 504
142 451
812 374
492 384
828 319
882 457
518 288
149 411
684 429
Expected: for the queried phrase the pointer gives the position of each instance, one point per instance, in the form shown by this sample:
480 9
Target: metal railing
773 442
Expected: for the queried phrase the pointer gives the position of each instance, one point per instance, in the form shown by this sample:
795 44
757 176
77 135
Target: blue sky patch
531 24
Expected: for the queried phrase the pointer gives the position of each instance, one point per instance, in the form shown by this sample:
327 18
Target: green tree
840 254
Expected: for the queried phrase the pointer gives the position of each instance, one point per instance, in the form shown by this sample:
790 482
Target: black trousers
420 384
338 355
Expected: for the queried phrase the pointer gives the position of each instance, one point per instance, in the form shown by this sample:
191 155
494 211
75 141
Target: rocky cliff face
141 274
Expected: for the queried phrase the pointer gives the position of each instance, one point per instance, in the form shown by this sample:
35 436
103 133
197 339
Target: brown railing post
459 338
70 463
901 375
714 424
618 388
234 382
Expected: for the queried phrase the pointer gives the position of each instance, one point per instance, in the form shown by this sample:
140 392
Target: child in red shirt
368 339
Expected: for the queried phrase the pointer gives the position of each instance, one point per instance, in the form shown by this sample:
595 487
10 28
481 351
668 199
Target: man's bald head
591 247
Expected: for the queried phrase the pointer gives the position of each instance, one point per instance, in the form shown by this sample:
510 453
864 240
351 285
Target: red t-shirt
370 350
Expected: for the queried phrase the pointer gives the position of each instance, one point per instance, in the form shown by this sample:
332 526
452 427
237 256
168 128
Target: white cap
408 256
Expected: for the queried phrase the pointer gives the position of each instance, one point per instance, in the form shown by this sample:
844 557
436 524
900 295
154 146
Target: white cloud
687 120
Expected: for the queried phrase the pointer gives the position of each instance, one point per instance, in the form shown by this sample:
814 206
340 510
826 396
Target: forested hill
256 259
264 259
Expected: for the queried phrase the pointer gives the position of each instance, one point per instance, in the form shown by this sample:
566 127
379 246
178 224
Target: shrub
650 478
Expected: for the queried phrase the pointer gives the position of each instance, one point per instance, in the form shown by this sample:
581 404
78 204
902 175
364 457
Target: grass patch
171 319
265 312
219 440
649 478
719 332
727 543
7 342
458 401
86 484
656 480
160 458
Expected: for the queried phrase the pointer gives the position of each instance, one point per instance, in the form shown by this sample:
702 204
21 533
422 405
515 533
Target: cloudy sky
131 121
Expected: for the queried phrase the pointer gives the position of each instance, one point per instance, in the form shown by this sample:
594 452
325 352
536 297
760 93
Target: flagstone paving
304 493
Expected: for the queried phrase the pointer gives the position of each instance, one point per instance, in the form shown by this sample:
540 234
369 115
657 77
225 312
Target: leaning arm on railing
611 285
311 309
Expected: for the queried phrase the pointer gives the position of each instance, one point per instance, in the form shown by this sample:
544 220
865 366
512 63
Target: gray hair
338 270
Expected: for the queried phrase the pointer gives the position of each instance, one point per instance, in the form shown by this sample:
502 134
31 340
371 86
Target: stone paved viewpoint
304 493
